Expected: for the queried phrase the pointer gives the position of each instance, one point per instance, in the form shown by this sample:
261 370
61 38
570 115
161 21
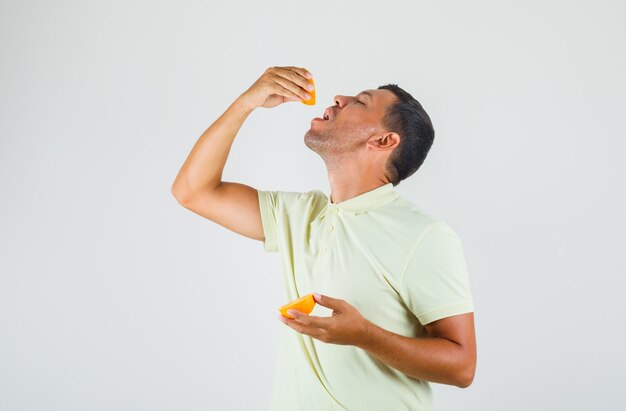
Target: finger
286 93
329 302
295 74
299 327
292 87
294 98
293 77
302 71
318 333
309 320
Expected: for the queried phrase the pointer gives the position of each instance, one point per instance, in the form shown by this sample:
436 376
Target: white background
114 297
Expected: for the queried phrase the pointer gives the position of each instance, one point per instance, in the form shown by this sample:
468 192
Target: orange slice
304 304
310 101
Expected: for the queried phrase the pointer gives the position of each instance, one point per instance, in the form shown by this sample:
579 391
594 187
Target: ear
386 141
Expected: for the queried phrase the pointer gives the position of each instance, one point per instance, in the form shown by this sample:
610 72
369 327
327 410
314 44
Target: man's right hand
199 186
278 85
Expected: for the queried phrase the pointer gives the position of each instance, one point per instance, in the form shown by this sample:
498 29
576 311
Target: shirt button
335 210
331 228
325 249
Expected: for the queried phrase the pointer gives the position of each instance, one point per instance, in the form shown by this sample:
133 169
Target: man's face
353 121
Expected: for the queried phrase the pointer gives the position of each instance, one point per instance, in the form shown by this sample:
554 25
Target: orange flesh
304 304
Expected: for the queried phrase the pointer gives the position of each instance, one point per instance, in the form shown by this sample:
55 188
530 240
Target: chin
312 141
309 141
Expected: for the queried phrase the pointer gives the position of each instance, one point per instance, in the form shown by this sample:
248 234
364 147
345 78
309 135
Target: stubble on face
337 144
345 137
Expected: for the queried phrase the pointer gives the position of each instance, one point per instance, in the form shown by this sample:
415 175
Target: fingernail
307 97
291 312
317 296
308 75
310 87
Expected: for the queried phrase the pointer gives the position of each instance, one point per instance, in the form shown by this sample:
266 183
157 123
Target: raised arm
199 186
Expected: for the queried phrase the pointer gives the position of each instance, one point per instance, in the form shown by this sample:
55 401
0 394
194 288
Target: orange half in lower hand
310 101
304 304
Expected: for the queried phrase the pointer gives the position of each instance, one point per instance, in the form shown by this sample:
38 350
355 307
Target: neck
346 185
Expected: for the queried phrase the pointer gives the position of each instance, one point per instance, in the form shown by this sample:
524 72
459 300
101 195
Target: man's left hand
345 326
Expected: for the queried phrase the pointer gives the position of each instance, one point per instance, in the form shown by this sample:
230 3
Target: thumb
327 301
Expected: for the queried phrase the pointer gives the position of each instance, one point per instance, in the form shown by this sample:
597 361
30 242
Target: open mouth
327 114
325 117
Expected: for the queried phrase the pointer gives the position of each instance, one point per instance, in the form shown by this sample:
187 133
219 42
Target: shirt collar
366 201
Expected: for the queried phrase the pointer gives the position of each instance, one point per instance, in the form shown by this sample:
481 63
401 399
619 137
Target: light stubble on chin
333 150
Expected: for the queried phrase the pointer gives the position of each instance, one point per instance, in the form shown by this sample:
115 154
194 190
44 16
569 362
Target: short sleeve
435 282
268 204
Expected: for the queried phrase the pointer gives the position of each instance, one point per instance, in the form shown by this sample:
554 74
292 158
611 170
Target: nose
340 100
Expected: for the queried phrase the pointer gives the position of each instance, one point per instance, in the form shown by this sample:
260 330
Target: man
392 277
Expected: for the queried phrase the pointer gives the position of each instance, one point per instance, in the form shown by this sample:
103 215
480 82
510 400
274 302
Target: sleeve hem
448 311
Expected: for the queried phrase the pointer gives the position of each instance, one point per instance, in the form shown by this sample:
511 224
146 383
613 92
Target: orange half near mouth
304 304
310 101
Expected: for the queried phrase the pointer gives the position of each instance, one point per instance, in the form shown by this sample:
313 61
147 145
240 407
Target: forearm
432 359
202 170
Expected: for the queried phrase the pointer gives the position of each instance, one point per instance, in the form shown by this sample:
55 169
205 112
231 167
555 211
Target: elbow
184 194
466 377
180 195
465 382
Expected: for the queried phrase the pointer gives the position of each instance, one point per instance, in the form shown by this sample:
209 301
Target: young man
392 276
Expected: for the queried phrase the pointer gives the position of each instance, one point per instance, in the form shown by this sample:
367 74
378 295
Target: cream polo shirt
398 266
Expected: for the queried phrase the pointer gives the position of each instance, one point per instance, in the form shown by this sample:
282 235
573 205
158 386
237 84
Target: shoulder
299 199
310 196
413 217
421 223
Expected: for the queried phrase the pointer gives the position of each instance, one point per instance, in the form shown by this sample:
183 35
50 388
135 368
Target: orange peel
304 304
